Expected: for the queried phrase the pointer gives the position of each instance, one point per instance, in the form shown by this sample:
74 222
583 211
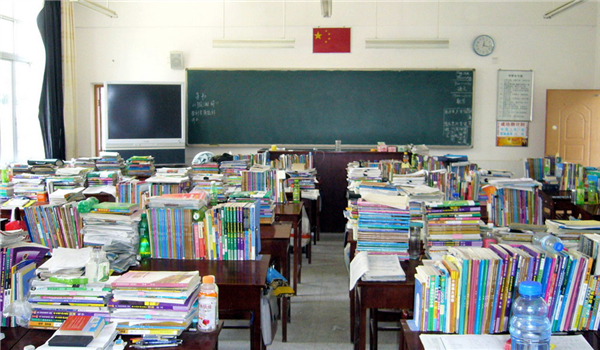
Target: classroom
138 41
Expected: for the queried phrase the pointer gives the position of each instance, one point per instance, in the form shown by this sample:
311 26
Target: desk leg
284 318
352 315
361 342
297 225
256 341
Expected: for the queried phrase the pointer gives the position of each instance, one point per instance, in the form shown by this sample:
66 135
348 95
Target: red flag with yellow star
331 40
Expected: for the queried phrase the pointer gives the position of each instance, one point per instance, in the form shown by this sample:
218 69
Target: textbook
158 279
114 208
82 325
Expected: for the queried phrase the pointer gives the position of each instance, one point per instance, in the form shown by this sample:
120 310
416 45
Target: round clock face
483 45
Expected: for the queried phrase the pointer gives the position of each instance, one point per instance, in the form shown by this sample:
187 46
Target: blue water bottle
530 328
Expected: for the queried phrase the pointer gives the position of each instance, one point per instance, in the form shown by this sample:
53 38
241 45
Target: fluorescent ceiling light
254 43
326 8
561 8
97 7
407 43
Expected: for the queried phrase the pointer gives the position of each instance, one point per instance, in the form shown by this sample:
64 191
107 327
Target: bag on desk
269 315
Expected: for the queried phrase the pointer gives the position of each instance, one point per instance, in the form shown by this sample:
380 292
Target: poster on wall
512 134
515 95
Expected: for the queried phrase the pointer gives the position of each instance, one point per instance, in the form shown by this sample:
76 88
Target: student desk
275 241
292 212
410 340
18 337
240 282
587 211
556 204
381 295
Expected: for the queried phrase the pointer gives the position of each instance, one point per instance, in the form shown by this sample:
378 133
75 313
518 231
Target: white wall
563 51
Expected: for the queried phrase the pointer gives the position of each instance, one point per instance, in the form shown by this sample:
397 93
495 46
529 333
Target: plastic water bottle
208 305
547 242
296 191
97 267
530 328
144 237
213 193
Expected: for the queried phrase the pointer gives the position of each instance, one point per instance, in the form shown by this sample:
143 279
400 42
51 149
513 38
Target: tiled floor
320 311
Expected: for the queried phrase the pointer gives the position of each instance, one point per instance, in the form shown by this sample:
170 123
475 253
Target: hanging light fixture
326 8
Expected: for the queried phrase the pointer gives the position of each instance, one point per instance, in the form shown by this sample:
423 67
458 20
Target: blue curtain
51 99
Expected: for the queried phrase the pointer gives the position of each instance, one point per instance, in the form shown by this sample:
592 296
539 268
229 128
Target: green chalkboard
317 107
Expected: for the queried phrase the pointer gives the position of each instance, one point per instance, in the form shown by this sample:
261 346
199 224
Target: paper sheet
358 267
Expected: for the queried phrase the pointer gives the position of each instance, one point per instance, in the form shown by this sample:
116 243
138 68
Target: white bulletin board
515 95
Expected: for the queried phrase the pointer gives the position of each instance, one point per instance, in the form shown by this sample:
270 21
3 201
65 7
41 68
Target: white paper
400 202
358 267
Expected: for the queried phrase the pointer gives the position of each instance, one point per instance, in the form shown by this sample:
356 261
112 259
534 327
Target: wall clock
483 45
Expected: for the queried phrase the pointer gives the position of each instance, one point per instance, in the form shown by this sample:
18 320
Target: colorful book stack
140 166
251 159
267 206
570 175
205 168
18 261
234 166
382 229
571 231
29 185
154 302
432 163
86 162
471 290
114 226
259 178
166 185
306 178
516 201
132 191
231 231
287 161
458 181
55 225
67 178
203 182
452 223
175 225
103 178
111 161
53 302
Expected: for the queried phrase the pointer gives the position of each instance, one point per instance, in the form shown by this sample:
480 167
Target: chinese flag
331 40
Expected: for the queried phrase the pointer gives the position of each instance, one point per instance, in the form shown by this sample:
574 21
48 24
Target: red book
82 325
328 40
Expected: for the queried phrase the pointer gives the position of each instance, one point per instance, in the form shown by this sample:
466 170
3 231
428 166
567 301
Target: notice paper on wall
512 134
515 95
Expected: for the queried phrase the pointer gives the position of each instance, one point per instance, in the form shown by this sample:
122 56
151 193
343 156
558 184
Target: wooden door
573 125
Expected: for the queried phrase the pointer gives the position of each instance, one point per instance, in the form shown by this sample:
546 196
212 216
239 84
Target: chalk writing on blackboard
202 106
457 125
463 85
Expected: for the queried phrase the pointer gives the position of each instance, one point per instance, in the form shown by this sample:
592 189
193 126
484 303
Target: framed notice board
515 95
317 107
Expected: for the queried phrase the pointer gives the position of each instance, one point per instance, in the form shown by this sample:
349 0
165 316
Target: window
22 59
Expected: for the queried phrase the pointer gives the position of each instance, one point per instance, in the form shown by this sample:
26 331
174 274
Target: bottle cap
208 279
558 246
530 288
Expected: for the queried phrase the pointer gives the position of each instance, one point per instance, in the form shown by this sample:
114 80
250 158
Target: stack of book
84 332
418 178
452 223
55 225
160 185
155 302
203 182
175 223
382 229
571 231
516 201
114 226
132 190
471 290
234 166
7 191
103 178
29 185
111 161
267 206
66 178
142 166
63 195
53 302
570 174
231 231
289 161
86 162
18 261
259 178
307 178
358 171
205 168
